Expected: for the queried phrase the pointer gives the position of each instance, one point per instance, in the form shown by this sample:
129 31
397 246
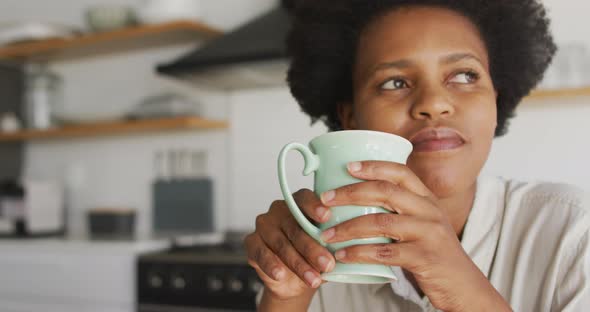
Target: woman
446 75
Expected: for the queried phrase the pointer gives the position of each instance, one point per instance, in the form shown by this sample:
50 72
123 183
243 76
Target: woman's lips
438 145
436 139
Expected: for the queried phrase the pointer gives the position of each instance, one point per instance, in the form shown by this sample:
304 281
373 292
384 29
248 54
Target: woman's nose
432 104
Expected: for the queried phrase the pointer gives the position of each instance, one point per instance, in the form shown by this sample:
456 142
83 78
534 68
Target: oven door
189 285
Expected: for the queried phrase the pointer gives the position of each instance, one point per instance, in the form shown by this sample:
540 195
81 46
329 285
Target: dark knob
235 285
155 281
178 282
214 284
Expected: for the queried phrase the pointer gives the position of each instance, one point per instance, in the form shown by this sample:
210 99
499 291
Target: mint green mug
328 156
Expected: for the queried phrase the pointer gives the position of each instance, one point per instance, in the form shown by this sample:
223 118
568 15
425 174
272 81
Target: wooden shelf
133 38
547 94
115 128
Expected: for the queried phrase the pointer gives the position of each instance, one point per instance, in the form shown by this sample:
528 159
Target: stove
198 278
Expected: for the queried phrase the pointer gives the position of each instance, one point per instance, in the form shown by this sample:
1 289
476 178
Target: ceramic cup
327 156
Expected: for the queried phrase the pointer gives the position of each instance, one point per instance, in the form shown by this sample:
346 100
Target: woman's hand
427 245
288 261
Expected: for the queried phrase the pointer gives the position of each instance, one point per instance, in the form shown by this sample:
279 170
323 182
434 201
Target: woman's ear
346 116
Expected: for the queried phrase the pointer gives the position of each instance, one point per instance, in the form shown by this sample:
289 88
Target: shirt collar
480 235
482 230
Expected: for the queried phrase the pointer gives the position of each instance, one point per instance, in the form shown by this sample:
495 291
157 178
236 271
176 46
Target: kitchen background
547 140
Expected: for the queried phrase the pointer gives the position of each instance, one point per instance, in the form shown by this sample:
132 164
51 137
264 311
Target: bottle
43 96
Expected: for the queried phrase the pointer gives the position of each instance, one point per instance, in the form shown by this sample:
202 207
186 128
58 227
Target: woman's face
423 73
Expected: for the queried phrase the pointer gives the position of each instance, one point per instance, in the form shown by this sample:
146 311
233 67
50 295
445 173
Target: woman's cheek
381 115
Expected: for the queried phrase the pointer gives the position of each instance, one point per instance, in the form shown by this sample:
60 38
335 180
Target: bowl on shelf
164 105
162 11
109 17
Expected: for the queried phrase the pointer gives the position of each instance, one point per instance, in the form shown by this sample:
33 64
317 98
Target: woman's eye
394 84
465 77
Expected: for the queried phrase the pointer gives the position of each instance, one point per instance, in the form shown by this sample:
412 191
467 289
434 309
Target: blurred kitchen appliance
208 277
31 208
182 195
183 207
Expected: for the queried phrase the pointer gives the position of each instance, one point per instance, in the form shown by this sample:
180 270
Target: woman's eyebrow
456 57
406 63
400 64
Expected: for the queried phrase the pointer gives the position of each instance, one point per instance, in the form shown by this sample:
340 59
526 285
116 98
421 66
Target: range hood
252 56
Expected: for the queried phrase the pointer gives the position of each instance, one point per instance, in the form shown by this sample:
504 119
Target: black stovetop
214 276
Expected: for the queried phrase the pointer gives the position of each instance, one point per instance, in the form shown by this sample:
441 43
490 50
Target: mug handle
312 163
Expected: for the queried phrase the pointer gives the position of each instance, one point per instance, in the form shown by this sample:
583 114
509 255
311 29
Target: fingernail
340 254
328 196
355 166
312 279
322 213
324 263
328 234
277 274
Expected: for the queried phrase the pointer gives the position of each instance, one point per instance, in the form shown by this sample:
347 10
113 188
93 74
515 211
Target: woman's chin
446 177
443 183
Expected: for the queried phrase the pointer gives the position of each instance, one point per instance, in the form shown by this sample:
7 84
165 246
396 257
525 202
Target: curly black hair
323 41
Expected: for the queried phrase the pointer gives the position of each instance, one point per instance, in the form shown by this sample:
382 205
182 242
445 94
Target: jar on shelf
43 96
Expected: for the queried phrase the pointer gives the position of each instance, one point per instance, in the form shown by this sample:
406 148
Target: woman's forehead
419 33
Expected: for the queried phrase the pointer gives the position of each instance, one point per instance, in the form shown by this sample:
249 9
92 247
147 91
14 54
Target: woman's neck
458 208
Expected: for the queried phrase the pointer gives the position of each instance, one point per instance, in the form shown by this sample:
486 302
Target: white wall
262 123
546 140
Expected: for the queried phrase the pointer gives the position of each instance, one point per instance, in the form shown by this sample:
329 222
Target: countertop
79 245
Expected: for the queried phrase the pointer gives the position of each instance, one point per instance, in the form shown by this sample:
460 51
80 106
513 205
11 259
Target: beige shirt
530 240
